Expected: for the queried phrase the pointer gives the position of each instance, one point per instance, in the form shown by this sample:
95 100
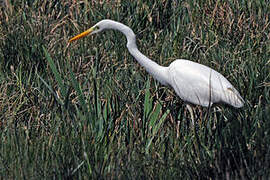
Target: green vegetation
89 110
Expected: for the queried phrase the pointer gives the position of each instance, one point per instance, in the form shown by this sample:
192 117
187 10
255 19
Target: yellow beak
85 33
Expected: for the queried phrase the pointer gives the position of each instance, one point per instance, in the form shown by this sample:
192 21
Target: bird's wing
190 82
199 84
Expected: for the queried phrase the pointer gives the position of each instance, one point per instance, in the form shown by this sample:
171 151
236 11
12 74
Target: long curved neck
157 71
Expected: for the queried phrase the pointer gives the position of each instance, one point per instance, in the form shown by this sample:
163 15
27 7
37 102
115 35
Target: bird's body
193 82
207 85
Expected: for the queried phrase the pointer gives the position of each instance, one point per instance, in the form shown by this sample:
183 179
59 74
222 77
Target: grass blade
78 89
56 73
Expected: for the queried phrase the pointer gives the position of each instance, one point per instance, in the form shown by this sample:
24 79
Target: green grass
89 110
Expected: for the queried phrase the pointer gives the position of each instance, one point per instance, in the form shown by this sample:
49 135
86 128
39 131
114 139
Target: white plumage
193 82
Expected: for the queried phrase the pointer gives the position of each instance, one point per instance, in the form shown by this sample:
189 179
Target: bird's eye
96 28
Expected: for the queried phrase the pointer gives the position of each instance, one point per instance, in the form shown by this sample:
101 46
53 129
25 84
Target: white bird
193 83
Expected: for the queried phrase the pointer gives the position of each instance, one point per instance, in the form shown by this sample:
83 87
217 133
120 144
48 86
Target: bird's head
100 26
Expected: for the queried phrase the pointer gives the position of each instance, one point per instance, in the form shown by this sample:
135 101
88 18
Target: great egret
194 83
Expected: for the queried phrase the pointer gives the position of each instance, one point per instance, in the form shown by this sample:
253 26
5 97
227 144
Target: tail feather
234 98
